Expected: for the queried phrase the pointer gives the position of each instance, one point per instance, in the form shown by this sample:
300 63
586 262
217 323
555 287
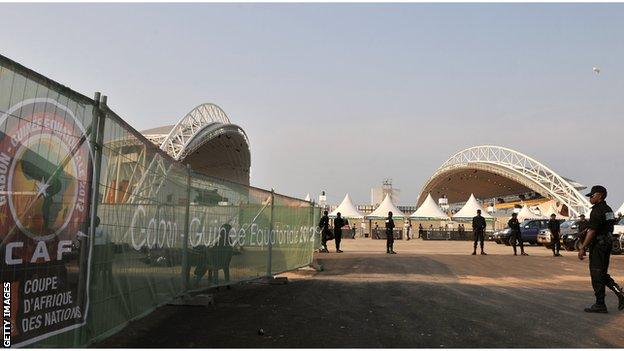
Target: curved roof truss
517 167
195 123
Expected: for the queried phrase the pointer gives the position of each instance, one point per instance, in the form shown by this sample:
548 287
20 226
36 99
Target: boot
474 252
596 308
620 294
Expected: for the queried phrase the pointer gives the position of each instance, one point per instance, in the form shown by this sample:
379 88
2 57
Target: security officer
339 222
390 234
582 225
324 225
515 235
478 230
555 230
598 239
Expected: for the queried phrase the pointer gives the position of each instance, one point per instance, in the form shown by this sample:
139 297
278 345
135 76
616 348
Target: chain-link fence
159 228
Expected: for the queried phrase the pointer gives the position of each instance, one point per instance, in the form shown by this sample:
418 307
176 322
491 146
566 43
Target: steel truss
200 118
518 167
148 174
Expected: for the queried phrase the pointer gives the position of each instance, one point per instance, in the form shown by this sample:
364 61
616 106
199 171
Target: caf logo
44 169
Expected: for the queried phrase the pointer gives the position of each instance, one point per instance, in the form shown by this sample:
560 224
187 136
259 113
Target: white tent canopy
429 210
552 210
620 210
470 210
384 207
307 198
525 213
346 209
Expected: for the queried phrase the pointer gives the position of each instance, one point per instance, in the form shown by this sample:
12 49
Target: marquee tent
385 206
429 210
470 210
307 198
552 210
525 213
346 209
620 210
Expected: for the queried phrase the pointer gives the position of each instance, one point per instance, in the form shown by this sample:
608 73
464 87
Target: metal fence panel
159 228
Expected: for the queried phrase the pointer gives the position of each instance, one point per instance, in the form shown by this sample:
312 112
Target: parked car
618 237
544 238
619 227
569 234
502 236
530 228
571 242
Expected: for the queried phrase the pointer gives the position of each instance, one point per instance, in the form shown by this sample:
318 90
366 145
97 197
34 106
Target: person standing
555 229
598 239
478 231
421 231
408 231
339 222
390 234
516 235
582 225
324 225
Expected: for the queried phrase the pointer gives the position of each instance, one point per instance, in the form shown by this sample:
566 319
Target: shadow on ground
331 313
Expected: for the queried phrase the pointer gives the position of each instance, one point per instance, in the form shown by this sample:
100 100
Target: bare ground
431 294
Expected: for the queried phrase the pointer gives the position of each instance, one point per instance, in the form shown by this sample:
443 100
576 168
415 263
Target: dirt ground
431 294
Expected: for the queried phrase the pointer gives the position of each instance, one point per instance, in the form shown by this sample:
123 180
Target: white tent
552 210
470 210
525 213
620 210
307 198
429 210
386 206
346 209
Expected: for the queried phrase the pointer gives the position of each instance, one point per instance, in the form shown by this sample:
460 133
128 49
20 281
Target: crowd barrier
85 251
449 235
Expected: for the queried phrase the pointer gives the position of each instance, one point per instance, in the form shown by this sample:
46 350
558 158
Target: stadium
206 130
503 178
204 139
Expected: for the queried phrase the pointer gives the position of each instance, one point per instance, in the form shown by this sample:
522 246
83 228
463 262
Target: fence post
187 231
95 142
270 257
312 224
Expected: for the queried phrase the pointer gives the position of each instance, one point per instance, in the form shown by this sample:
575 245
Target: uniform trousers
599 254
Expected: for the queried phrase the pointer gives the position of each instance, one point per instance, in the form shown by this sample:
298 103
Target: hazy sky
339 97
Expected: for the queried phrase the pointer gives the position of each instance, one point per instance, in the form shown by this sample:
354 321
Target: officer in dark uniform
582 225
555 230
515 235
390 234
339 222
478 230
324 225
598 240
